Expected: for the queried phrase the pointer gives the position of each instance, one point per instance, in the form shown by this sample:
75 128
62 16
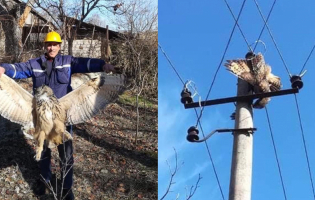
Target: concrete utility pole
241 170
242 158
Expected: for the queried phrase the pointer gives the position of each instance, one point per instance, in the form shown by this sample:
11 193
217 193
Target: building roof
89 27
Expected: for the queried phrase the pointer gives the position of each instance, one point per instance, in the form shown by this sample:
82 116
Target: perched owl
49 115
256 72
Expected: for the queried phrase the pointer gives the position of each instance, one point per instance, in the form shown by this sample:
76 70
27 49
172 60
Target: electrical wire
296 101
169 61
262 30
275 151
208 150
302 131
236 22
307 59
273 40
267 114
305 149
215 172
225 50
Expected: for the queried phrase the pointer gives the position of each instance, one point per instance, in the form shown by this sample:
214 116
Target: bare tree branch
173 173
193 189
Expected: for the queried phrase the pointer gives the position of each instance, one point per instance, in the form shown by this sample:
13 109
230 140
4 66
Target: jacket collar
44 60
56 59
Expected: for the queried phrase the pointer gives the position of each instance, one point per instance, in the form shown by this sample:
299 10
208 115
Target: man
55 70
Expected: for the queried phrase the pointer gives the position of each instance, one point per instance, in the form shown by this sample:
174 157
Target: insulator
249 55
296 81
192 134
186 96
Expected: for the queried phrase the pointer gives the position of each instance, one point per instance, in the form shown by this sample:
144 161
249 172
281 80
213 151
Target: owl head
43 90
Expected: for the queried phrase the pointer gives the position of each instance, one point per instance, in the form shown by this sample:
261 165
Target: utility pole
242 158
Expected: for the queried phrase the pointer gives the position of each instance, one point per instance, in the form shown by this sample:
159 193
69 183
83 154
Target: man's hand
108 68
2 70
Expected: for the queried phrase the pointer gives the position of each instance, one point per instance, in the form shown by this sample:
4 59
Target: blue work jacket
62 69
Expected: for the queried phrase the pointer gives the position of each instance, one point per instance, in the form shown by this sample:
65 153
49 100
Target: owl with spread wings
49 115
256 72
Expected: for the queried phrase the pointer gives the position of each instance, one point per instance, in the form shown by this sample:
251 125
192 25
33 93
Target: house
89 40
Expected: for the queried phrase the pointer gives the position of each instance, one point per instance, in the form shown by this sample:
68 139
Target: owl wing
85 101
274 81
16 103
80 78
240 69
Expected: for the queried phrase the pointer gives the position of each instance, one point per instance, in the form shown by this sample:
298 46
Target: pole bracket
193 133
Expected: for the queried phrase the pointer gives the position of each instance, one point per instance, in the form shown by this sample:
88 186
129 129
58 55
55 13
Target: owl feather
49 115
258 74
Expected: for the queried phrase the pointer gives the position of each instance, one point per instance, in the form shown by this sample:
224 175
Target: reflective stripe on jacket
62 69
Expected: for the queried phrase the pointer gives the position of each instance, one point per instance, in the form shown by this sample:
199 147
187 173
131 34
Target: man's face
52 48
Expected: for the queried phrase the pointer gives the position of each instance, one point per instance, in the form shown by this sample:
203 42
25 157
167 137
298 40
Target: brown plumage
48 114
256 72
117 6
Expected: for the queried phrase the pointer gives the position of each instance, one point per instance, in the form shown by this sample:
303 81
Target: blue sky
194 34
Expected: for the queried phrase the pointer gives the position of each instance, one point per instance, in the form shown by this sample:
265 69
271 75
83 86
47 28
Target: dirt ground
108 163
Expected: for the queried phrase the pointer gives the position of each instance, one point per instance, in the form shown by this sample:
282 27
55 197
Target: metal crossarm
241 98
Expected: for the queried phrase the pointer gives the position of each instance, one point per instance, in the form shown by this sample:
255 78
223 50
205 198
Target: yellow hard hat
53 37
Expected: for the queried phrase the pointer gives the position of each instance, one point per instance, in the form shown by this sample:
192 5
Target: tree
173 172
138 54
8 24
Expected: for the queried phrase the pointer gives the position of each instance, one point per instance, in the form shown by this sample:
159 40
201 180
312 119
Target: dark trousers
66 162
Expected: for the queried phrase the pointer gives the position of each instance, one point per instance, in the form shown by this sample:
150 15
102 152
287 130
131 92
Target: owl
50 115
256 72
117 6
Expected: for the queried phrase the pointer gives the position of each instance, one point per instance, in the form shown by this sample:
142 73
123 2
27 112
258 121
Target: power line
225 50
262 30
305 149
215 172
236 21
262 16
173 67
214 78
302 132
208 150
169 61
268 119
275 151
307 59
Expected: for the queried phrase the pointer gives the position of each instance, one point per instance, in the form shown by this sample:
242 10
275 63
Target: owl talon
38 154
68 136
37 157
